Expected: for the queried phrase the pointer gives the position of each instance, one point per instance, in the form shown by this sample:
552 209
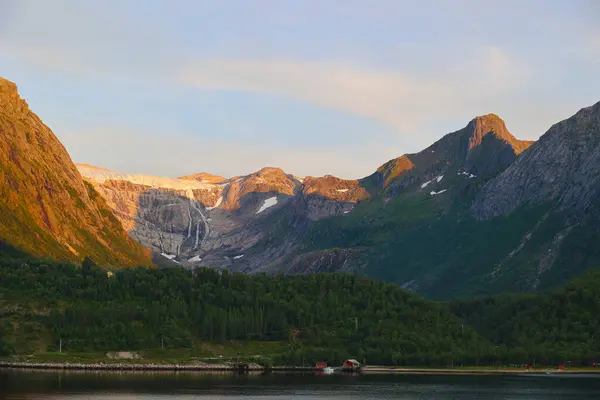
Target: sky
315 87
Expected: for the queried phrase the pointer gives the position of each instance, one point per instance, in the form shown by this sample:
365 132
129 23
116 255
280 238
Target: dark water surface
146 386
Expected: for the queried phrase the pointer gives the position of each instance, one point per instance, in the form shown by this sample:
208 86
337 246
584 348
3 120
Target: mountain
561 167
46 208
207 220
483 148
269 221
475 213
489 215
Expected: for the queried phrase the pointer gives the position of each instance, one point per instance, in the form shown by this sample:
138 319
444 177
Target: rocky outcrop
561 167
47 209
483 148
205 220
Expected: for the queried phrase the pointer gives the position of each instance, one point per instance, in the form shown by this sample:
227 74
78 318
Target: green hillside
318 316
288 320
431 243
559 325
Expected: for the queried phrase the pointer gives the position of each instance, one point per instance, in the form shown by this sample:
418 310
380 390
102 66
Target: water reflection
69 385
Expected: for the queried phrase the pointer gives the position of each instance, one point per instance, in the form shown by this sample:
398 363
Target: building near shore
351 365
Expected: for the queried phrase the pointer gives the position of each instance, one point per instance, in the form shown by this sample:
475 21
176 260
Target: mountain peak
204 177
47 209
483 125
9 96
270 171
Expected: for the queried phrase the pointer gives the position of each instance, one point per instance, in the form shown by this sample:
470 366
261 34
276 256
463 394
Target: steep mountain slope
563 166
46 208
484 225
475 213
483 148
207 220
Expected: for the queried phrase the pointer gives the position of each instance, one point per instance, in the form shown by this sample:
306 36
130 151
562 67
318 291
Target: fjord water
157 386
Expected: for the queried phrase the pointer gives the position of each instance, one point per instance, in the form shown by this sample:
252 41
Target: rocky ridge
207 220
47 209
562 166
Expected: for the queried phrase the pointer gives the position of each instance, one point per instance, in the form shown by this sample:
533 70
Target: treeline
560 326
320 317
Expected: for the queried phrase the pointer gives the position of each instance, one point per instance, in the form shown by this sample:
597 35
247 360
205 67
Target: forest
318 317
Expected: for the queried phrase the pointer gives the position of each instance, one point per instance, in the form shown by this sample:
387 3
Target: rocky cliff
563 166
204 219
46 208
483 148
477 212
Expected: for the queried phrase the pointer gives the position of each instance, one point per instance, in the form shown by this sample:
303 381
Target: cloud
401 100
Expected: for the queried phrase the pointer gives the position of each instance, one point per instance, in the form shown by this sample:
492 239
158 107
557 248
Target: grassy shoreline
107 365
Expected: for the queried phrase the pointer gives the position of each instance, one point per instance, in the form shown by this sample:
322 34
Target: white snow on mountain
433 193
270 202
101 175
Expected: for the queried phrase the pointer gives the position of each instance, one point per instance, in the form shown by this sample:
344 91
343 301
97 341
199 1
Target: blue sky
315 87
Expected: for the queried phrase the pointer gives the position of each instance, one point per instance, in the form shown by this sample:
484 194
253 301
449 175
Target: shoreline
255 368
457 371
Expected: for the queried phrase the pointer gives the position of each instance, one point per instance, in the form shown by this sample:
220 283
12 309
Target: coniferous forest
317 317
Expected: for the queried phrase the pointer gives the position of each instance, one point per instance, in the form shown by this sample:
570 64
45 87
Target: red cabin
321 365
351 365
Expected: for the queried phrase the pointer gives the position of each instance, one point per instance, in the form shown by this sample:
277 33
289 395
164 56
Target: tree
86 265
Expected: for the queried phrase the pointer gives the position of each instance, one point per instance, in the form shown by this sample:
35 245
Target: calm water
62 386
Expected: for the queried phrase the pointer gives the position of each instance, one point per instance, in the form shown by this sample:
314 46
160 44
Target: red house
321 365
351 365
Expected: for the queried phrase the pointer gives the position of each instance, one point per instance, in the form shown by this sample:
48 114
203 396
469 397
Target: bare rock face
47 209
254 222
562 166
483 148
207 220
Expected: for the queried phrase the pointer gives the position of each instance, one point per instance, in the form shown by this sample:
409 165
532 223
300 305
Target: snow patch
270 202
238 257
467 174
195 259
342 190
169 256
433 192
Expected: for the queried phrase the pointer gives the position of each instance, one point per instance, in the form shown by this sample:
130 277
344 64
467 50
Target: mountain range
477 212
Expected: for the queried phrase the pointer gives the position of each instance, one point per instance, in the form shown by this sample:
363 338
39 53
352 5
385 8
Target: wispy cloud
401 100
